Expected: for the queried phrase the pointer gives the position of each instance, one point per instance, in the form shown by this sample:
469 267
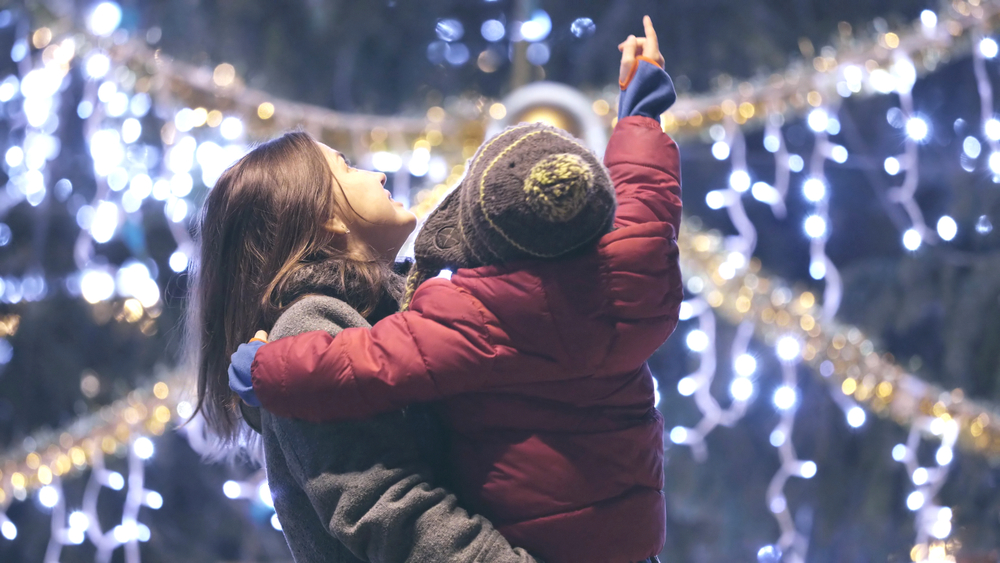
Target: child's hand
261 335
634 47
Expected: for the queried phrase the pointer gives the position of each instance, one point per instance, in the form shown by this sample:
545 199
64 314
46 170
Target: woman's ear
336 226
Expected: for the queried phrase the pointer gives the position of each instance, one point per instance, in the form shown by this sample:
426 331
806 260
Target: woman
294 239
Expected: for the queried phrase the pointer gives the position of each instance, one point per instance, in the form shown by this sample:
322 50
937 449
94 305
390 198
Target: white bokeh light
815 226
765 193
818 120
721 150
143 447
232 489
739 181
715 199
788 348
912 240
988 47
105 18
745 365
741 389
899 452
97 286
48 496
814 189
928 19
9 530
991 128
97 65
79 521
687 386
231 128
892 166
856 417
264 494
808 469
947 228
972 147
697 340
678 434
917 128
178 261
915 501
154 500
785 397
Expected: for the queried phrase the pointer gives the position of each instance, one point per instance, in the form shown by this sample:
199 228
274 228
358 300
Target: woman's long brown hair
262 240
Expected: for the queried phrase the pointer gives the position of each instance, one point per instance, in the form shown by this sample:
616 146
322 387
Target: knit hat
533 191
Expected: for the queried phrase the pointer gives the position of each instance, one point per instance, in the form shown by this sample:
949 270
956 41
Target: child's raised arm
643 160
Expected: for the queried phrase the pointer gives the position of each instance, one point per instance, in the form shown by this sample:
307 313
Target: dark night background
937 310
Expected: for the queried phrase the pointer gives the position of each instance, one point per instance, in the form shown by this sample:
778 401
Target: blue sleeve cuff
649 94
240 379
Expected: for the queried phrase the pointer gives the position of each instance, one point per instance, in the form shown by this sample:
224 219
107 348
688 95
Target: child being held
566 280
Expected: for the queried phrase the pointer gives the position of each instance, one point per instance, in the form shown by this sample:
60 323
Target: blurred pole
522 71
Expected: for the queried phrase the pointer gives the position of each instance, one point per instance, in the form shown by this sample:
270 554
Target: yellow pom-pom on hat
558 186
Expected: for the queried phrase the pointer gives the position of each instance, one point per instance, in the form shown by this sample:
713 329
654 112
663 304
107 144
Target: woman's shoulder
316 312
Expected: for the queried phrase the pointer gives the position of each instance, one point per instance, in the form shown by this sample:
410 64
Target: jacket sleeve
365 483
446 344
645 167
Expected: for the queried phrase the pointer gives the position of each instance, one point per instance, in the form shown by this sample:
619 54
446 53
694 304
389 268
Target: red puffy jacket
539 368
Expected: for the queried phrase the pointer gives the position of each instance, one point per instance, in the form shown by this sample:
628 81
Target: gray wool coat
359 491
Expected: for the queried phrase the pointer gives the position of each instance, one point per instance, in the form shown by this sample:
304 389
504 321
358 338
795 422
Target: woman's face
378 221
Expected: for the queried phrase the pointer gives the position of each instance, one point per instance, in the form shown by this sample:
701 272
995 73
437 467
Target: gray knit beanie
533 191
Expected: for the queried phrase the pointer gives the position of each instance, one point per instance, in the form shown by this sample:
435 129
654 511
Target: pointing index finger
652 44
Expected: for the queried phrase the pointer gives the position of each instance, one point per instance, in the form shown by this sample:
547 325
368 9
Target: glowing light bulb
739 181
741 389
697 340
912 240
678 434
788 348
721 150
48 496
808 469
818 120
105 18
928 19
988 47
745 365
231 489
815 226
917 128
143 447
785 397
715 199
947 228
972 147
687 386
856 417
814 189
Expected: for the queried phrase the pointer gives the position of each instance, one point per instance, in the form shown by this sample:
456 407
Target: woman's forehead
330 153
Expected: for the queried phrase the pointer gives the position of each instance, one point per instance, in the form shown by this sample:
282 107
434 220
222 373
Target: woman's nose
382 178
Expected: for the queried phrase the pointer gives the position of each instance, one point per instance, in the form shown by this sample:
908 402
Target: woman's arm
365 483
368 482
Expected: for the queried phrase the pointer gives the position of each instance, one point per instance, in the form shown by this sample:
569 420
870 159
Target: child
536 348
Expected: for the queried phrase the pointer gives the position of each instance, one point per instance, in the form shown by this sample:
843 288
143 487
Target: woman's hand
635 47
